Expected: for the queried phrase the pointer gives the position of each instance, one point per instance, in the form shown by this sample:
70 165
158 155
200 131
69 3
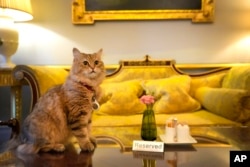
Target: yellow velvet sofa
200 97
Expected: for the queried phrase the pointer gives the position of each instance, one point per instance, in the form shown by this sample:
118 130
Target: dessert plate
190 140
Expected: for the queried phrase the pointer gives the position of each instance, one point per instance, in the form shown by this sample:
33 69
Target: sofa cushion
121 98
213 80
171 94
233 104
237 78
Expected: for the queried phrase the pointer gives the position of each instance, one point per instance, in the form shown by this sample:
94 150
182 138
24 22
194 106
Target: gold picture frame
89 11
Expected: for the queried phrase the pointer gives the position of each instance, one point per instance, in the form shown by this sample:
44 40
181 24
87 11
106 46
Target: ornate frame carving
81 15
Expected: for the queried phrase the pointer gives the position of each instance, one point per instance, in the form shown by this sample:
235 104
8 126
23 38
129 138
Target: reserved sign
151 146
148 155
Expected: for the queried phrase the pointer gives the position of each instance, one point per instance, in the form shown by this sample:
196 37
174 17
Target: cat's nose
92 68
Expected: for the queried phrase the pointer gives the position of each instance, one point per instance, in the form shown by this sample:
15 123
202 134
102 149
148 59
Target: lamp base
6 62
8 41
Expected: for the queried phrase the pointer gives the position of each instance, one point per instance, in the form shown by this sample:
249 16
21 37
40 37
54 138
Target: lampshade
18 10
11 11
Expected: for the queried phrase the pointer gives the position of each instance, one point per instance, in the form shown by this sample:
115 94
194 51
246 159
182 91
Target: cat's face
88 65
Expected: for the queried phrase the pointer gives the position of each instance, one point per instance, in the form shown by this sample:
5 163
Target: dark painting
107 5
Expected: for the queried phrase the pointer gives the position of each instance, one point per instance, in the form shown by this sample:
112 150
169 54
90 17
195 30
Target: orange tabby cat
64 112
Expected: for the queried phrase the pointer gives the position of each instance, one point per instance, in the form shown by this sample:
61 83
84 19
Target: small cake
183 133
176 132
171 130
170 133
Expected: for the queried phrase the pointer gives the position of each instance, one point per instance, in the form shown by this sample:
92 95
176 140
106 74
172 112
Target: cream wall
50 37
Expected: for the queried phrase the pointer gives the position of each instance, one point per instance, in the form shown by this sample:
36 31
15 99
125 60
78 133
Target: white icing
183 133
170 132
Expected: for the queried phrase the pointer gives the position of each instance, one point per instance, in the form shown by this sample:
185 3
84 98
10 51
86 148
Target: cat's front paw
53 147
88 146
93 140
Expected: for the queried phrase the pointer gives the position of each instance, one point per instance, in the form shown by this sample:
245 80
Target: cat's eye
96 62
85 63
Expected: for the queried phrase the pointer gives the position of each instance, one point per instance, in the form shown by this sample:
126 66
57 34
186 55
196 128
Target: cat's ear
99 53
76 52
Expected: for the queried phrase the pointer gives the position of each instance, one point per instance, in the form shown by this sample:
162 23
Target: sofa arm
233 104
237 78
39 78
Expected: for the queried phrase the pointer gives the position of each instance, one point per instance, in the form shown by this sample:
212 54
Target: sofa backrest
41 78
157 69
145 69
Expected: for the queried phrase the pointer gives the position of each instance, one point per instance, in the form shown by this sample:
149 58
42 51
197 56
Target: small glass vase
148 163
148 126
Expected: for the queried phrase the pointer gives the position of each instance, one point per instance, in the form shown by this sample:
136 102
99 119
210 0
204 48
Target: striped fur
65 110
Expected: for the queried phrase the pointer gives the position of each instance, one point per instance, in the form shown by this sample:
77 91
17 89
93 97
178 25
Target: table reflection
68 158
173 156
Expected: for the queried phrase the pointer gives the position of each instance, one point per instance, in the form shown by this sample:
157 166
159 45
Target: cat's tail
11 144
17 144
27 149
14 141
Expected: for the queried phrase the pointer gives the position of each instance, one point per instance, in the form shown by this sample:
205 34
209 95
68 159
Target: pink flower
147 99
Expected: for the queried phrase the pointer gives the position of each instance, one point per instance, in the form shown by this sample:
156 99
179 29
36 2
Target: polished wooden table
205 153
112 156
